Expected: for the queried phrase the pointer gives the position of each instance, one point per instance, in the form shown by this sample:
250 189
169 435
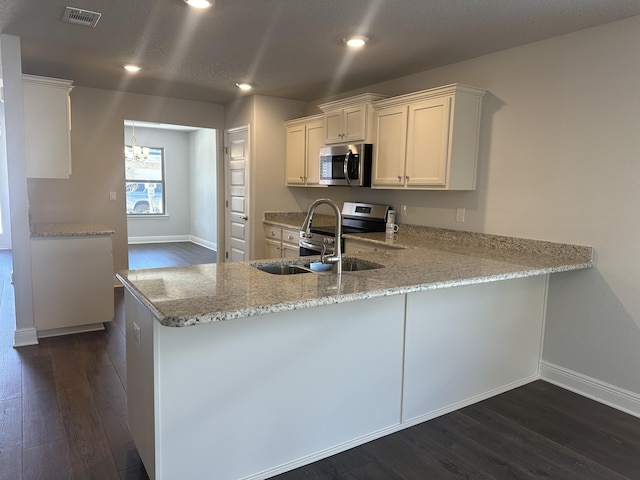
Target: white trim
175 238
204 243
616 397
56 332
25 336
160 239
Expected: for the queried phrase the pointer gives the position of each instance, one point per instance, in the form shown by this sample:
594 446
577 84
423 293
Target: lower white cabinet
281 242
72 280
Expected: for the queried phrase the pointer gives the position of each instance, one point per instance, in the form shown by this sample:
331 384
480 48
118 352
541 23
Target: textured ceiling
287 48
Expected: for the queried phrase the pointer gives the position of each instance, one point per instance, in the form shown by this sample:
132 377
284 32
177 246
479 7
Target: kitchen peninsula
234 373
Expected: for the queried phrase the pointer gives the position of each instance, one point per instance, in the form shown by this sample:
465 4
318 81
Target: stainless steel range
356 218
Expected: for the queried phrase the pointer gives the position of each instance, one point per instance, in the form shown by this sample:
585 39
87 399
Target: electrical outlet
136 333
403 210
459 214
112 196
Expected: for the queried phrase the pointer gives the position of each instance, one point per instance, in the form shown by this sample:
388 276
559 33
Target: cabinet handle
407 177
302 178
399 178
273 234
290 237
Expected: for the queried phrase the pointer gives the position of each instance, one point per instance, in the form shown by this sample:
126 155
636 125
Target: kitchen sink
290 269
353 265
295 267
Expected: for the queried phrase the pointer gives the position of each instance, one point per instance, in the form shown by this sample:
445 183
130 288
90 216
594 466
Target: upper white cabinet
303 139
350 119
47 117
428 140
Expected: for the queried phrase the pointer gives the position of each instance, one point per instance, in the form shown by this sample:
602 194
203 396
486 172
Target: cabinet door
390 147
272 249
315 140
72 281
333 127
428 143
295 154
354 123
47 125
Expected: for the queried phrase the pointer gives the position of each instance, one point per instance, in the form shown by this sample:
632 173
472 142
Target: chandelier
135 151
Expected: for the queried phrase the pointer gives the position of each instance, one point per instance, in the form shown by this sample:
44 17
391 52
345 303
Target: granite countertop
41 230
423 259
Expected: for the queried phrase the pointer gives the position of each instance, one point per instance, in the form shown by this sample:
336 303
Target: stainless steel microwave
348 165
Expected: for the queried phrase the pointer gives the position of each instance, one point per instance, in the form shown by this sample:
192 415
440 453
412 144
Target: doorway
173 170
236 188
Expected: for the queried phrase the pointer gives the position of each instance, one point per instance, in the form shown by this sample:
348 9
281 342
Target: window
144 180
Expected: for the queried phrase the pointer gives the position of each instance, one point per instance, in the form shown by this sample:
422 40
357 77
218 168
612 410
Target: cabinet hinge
226 150
226 203
226 255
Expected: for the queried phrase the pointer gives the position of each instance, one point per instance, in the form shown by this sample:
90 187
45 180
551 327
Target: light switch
459 214
112 196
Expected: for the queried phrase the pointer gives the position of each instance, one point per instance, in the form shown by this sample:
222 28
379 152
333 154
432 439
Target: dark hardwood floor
154 255
63 416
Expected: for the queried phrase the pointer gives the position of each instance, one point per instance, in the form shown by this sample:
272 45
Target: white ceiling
287 48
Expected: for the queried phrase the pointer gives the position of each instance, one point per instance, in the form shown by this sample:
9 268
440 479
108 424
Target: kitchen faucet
306 227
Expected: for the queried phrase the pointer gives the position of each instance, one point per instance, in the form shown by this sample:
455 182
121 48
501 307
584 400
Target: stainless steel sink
295 267
354 265
282 269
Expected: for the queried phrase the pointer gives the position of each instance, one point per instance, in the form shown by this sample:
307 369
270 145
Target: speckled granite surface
69 229
427 259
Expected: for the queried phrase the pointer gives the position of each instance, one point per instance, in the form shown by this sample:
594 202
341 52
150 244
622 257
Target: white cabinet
72 280
349 119
303 139
281 242
428 140
47 117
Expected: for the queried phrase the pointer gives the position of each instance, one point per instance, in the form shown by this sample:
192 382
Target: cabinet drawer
273 233
291 236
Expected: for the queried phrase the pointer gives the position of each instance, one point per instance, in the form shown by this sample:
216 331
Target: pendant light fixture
135 152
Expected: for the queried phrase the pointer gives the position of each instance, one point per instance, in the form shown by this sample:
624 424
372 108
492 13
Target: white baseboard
56 332
204 243
160 239
25 336
616 397
175 238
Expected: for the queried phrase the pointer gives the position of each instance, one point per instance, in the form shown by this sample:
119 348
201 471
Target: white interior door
236 162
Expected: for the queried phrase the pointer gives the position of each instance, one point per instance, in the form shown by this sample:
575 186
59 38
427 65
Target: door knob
244 217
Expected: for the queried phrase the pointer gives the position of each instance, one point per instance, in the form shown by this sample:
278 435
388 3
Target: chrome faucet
337 251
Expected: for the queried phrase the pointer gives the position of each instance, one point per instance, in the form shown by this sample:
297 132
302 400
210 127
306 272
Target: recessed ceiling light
132 68
244 86
356 41
200 3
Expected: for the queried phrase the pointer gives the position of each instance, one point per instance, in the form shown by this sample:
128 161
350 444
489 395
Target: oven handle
347 157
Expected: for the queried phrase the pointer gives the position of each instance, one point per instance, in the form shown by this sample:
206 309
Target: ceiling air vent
78 16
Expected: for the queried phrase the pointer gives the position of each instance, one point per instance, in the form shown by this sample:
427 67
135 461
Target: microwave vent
78 16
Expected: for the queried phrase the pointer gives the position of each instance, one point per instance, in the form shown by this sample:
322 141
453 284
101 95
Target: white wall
203 225
558 161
